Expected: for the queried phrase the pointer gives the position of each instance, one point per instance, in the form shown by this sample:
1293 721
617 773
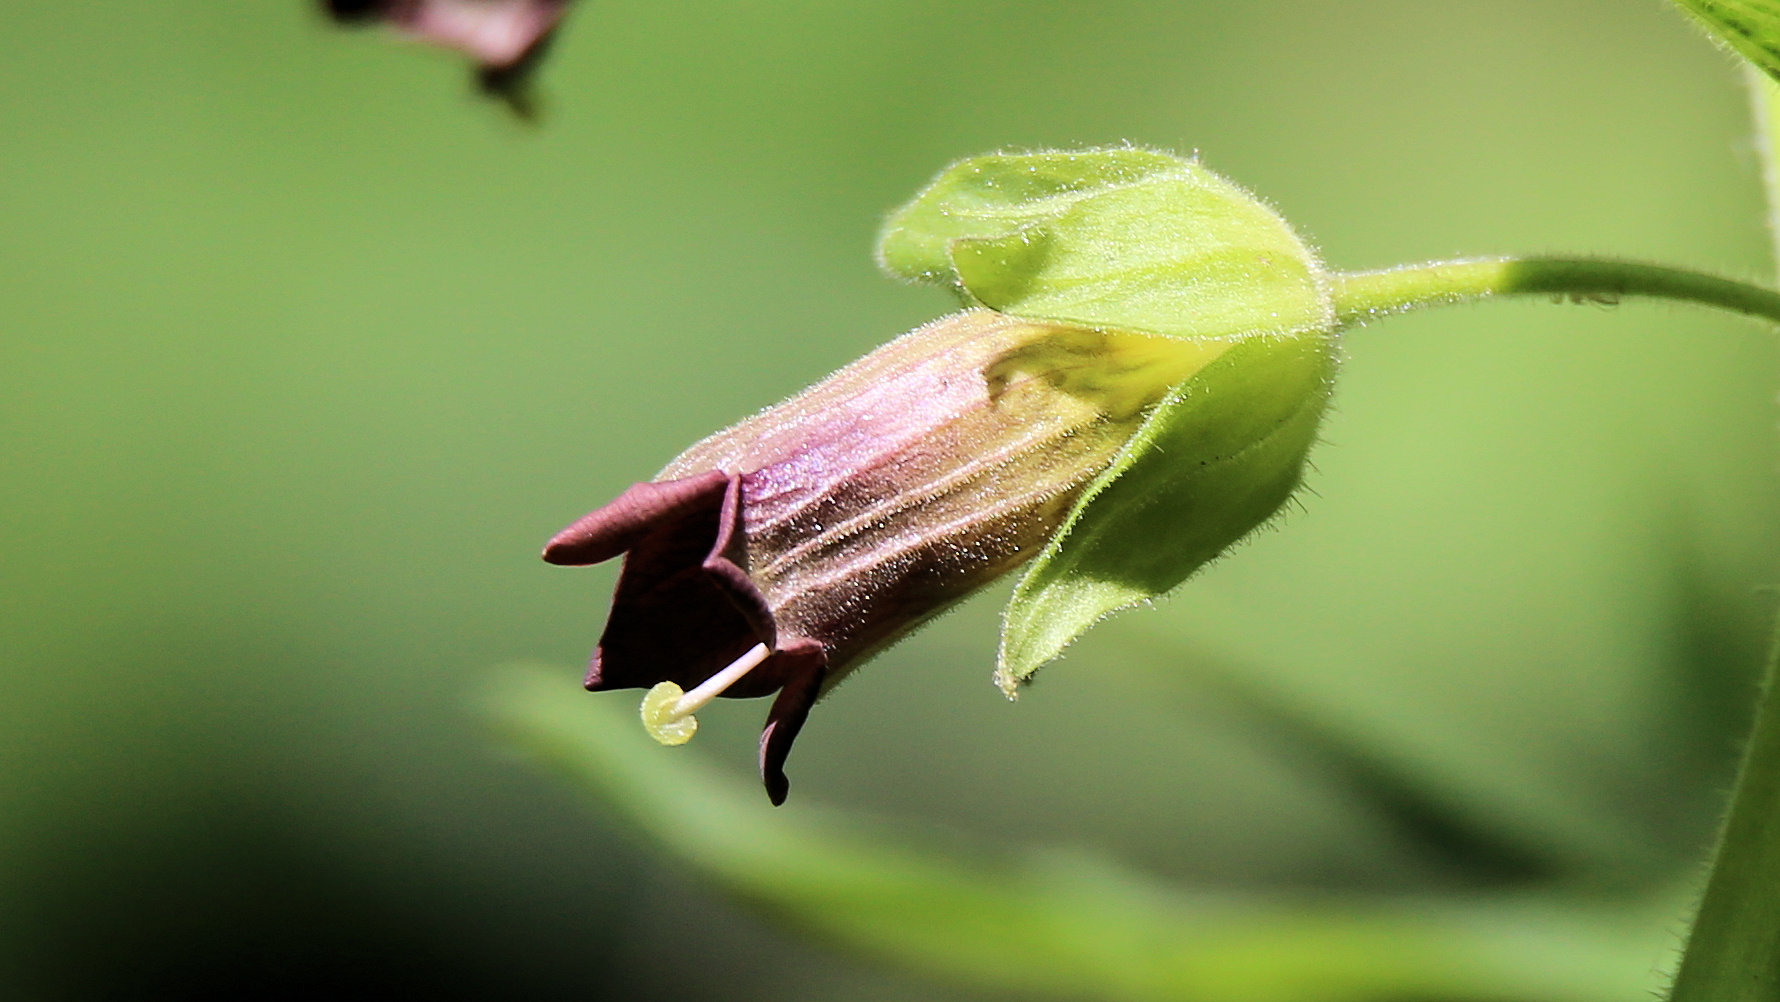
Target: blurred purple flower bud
505 38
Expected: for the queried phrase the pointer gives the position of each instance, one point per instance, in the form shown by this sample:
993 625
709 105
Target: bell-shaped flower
778 555
1142 395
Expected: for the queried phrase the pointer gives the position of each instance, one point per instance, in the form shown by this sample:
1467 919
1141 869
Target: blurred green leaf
1215 460
1752 27
1066 925
1459 823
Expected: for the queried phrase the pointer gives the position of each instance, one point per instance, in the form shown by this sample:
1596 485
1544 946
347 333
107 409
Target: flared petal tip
589 540
561 550
595 680
642 509
777 788
805 664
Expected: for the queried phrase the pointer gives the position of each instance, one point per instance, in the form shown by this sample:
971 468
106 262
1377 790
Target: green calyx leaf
1143 241
1001 194
1751 27
1112 238
1214 461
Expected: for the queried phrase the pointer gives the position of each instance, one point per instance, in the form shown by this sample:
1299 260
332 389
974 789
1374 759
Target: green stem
1362 296
1733 954
1733 951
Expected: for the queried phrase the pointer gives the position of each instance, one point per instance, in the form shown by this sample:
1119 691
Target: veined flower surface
828 526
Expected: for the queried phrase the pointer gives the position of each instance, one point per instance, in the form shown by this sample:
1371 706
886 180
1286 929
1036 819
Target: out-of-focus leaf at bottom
1479 835
1072 928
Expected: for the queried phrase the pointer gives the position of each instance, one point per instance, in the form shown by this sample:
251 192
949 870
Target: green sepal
1111 238
1142 241
1187 254
1215 460
998 194
1751 27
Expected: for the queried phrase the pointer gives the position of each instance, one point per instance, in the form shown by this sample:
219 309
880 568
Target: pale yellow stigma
668 711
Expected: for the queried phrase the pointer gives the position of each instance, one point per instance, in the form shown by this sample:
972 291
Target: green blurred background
306 351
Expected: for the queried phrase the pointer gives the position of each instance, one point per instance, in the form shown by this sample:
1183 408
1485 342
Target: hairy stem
1733 950
1362 296
1733 953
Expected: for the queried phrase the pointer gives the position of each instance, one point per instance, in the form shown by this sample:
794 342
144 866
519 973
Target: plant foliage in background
1135 240
308 347
1073 925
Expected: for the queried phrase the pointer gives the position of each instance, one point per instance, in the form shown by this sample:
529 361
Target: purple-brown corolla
779 554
